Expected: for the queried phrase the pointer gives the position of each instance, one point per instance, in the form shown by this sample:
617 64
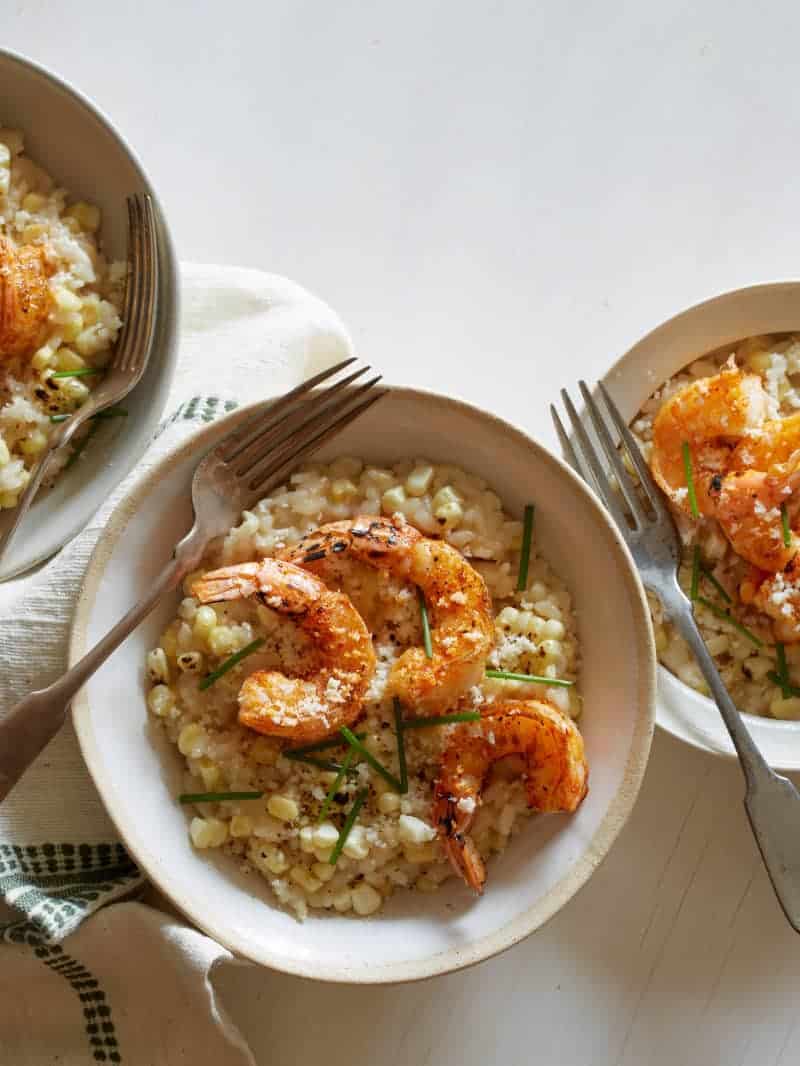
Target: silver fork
772 802
232 477
130 359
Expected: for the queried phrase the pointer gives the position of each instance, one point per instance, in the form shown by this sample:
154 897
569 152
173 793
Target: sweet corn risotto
301 812
734 417
59 312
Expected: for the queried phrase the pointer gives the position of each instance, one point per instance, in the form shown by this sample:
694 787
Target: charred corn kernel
307 839
305 879
446 506
192 740
222 640
283 808
342 488
208 832
34 443
5 454
157 665
365 899
393 499
356 846
204 621
190 662
66 359
389 803
86 215
241 826
210 773
419 480
264 751
325 836
160 700
420 852
323 871
414 831
66 300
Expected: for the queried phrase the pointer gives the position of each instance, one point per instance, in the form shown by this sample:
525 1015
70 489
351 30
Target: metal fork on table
772 802
232 477
130 359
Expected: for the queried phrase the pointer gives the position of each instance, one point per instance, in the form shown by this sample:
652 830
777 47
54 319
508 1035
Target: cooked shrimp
748 508
556 774
778 596
24 298
458 602
328 692
772 444
710 415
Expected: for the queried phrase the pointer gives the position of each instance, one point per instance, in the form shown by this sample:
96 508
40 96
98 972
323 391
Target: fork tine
566 444
649 487
276 450
624 480
273 475
139 351
609 497
133 284
241 438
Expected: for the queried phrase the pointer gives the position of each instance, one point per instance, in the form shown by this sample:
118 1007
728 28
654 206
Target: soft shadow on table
677 932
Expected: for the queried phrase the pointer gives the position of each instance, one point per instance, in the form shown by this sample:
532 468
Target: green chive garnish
687 469
783 668
505 675
229 664
401 746
217 797
426 626
358 802
321 745
712 580
367 755
786 688
726 616
77 449
82 373
787 533
781 678
525 551
442 719
695 589
111 412
321 764
337 784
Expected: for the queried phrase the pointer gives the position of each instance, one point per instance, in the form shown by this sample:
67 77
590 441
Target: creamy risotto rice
393 843
81 320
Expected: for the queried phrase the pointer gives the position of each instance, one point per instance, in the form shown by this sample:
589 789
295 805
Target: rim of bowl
170 282
514 930
630 356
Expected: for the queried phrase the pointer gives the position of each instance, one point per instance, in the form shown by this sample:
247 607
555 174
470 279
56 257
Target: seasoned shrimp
326 693
457 600
778 596
710 415
772 444
556 774
748 508
24 298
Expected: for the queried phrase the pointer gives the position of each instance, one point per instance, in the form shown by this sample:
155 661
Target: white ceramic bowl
81 149
771 308
138 774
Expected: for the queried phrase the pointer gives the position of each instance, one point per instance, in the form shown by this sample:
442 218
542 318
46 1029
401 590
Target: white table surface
498 198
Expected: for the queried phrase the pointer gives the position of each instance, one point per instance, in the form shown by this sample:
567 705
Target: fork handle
36 719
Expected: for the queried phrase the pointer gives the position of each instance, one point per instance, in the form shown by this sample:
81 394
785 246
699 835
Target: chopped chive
217 797
229 664
786 688
426 626
321 745
783 667
367 755
442 719
321 764
337 784
110 412
687 468
82 373
726 616
712 580
77 449
695 589
401 745
59 418
505 675
358 802
525 552
787 533
781 678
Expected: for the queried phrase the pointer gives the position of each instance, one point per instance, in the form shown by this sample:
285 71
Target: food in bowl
371 679
60 306
723 441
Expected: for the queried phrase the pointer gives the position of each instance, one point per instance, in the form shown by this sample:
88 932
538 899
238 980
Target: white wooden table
498 198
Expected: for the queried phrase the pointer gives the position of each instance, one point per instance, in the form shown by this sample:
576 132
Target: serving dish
72 140
138 776
722 320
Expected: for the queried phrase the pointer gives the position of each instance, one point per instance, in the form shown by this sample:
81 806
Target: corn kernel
342 488
365 899
73 390
157 666
325 836
420 852
393 499
343 901
389 803
275 860
66 359
307 839
241 826
192 740
446 506
208 832
86 215
413 830
43 358
306 880
5 454
419 480
787 709
34 232
222 640
160 700
356 846
70 324
283 808
322 854
34 443
210 773
204 621
66 300
8 499
323 871
169 642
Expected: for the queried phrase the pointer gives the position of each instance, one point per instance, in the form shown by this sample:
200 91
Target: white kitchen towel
244 334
